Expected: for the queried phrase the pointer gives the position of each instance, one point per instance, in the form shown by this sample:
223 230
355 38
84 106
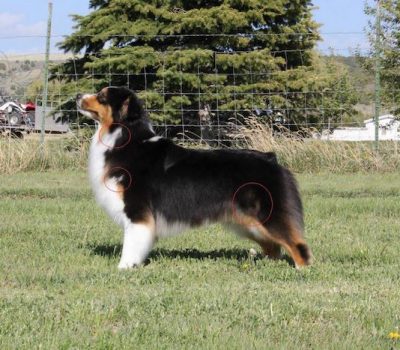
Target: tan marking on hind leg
290 239
293 242
293 251
254 230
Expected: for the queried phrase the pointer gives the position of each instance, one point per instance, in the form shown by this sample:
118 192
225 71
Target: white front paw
124 266
128 264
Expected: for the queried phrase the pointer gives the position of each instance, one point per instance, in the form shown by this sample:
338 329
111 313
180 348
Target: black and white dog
154 188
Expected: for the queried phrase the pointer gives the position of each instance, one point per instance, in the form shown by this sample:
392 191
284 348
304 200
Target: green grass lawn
60 287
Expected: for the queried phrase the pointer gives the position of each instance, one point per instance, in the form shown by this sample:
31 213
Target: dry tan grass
26 155
299 154
309 155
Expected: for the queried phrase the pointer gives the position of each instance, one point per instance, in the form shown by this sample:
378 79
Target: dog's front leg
138 241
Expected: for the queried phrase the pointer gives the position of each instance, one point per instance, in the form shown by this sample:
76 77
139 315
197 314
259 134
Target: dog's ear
123 112
134 108
120 112
119 99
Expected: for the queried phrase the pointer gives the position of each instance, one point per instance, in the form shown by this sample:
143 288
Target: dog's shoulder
165 151
174 154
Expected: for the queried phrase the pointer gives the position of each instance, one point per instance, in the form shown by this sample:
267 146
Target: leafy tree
35 88
235 56
390 50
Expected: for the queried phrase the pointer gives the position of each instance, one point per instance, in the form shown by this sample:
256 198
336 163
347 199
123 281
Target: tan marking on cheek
106 116
104 112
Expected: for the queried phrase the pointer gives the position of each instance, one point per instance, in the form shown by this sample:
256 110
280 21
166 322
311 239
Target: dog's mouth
84 110
88 113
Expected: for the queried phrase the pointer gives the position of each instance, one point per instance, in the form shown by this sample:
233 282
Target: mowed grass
60 287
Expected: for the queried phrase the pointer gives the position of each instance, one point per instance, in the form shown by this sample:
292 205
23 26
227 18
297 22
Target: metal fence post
46 72
378 30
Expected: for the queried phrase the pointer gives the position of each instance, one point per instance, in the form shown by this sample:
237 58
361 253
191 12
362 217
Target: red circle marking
115 147
124 189
235 215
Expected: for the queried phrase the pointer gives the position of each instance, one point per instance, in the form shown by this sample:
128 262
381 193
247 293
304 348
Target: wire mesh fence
206 95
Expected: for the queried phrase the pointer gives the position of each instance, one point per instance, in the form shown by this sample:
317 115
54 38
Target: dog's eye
101 98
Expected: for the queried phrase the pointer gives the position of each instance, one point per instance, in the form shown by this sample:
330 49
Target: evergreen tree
235 56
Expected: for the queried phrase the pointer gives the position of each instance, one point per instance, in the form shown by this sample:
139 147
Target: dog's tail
293 205
292 225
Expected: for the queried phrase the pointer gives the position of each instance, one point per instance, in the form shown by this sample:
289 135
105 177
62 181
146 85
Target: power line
205 35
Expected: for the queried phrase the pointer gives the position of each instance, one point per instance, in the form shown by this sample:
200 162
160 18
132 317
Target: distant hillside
16 75
18 72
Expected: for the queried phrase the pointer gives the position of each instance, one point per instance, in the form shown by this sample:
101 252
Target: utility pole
378 30
46 72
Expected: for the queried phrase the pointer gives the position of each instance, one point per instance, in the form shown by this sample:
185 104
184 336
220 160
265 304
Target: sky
29 18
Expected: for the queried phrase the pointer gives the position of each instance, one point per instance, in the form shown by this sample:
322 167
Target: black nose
78 96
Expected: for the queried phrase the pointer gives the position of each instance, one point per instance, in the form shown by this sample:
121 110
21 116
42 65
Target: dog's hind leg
273 237
290 237
249 227
287 225
138 241
271 249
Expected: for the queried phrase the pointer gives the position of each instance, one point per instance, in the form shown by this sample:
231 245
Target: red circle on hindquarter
234 212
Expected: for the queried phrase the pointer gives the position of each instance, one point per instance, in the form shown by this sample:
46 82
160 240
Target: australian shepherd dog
154 188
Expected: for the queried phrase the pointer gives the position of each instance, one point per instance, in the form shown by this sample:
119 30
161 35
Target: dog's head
111 105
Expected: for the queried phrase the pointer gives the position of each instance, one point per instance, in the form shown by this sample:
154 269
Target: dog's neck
141 129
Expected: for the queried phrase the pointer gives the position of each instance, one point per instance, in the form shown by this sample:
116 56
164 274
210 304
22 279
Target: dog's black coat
193 186
173 184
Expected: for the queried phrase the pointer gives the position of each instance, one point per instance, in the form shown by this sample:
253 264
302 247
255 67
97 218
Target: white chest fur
105 190
138 238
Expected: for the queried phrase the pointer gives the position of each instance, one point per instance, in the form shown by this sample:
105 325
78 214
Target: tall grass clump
313 155
24 155
298 153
